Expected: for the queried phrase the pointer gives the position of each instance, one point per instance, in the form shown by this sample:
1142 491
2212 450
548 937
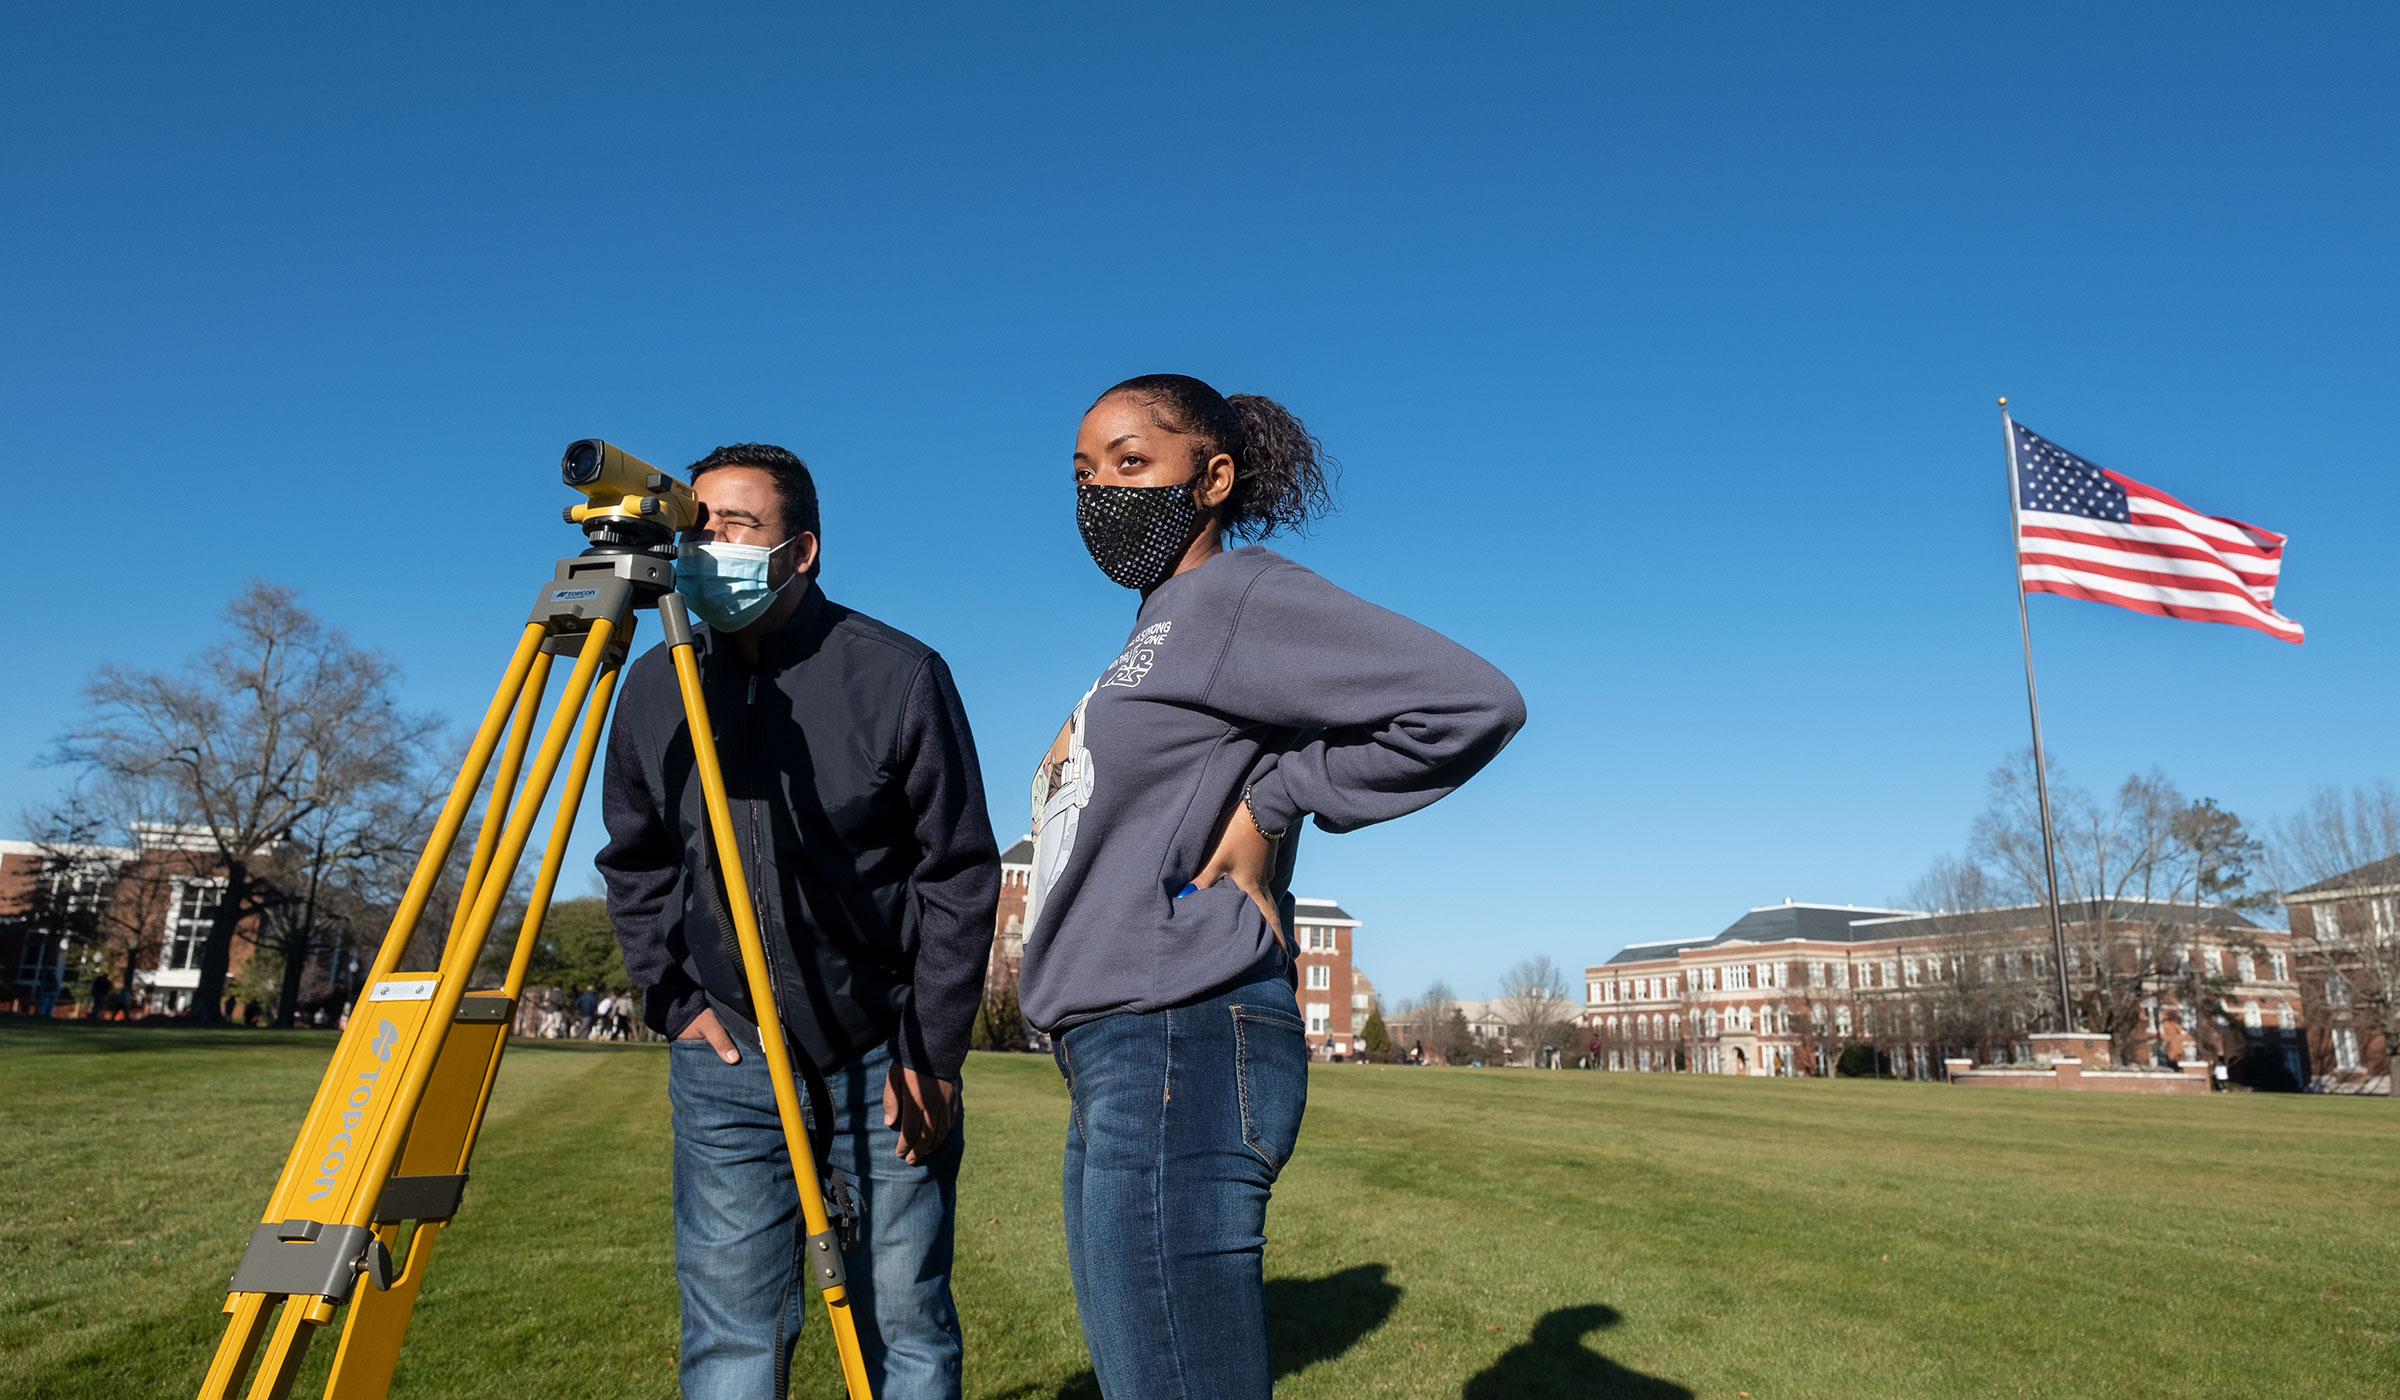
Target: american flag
2086 532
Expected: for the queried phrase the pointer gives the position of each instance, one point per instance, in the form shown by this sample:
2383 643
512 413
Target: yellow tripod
388 1138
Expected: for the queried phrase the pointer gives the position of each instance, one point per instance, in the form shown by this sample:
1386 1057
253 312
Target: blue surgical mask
726 584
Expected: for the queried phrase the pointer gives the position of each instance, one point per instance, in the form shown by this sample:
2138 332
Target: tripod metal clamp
825 1259
308 1257
674 624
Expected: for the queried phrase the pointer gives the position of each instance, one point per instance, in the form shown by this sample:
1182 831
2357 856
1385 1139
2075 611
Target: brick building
1325 936
1008 925
138 914
2346 932
1787 987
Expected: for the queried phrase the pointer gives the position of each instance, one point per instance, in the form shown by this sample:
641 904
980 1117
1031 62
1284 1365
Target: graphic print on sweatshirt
1062 787
1128 669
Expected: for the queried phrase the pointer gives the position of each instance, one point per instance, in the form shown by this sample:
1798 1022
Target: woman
1251 693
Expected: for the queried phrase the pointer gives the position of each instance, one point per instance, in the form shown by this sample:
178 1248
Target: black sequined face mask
1136 533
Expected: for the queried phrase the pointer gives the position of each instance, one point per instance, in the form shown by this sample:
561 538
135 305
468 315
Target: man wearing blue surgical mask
859 813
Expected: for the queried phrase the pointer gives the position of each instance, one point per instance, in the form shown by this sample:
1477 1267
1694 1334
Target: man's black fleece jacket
859 811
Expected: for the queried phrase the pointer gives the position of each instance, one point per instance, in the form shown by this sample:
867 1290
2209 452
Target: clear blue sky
1659 344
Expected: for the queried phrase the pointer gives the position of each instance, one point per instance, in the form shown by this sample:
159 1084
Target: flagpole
2033 706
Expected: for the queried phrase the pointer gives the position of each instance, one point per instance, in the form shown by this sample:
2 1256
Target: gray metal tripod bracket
309 1257
825 1259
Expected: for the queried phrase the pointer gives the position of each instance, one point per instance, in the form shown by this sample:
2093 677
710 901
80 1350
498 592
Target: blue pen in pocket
1187 889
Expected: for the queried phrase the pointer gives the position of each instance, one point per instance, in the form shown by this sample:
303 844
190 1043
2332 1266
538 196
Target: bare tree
2336 832
251 738
1533 1001
339 870
1438 1023
2132 873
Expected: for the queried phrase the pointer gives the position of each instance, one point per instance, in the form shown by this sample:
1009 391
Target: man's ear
804 551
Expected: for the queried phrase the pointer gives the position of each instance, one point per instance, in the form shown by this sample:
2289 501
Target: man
860 819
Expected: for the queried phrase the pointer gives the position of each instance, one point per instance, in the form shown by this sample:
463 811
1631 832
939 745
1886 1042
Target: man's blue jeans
738 1234
1181 1120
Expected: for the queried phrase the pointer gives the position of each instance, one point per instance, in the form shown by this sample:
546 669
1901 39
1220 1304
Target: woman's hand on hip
1243 855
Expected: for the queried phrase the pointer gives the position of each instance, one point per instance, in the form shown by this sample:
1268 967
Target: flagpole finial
2004 400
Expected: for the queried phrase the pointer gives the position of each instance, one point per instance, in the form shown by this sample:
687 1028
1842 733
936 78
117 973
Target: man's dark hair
795 489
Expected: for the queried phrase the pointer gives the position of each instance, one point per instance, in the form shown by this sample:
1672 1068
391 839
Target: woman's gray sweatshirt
1247 671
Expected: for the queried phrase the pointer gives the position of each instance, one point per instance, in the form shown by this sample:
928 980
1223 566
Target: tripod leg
378 1321
504 787
570 800
462 796
285 1351
823 1252
249 1313
458 960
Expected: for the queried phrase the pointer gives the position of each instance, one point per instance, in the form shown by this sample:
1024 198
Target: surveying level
387 1141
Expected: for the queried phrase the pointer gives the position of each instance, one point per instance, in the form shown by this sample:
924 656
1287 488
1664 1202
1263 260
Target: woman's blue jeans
1181 1120
738 1233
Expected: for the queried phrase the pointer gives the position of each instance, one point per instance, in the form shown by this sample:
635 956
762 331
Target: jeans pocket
1066 1071
1270 1051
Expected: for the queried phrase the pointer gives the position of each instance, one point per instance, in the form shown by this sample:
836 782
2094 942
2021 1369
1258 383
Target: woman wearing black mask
1250 693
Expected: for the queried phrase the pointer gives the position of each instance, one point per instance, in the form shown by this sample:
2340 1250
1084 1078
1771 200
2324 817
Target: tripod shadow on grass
1554 1364
1308 1320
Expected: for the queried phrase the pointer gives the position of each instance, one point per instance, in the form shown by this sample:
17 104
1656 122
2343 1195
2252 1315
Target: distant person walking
99 997
587 1011
1249 693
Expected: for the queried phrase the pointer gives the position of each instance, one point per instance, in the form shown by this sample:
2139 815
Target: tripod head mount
629 505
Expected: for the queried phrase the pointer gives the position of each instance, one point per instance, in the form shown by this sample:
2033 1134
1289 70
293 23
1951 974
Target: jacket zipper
754 862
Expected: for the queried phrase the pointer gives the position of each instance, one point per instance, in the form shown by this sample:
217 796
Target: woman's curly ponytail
1282 477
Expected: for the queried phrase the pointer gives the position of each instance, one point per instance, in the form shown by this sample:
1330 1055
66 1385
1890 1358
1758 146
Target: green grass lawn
1483 1234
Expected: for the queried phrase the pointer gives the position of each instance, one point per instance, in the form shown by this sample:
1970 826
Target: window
2283 1017
1320 978
2281 966
2250 1016
1891 974
1841 1020
1840 972
2345 1048
187 930
1909 970
1641 1026
2246 967
2337 989
1591 991
1675 1025
2329 921
1816 974
1712 1021
1319 1016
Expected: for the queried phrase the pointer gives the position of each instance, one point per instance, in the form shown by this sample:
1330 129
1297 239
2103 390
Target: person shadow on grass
1308 1320
1554 1364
